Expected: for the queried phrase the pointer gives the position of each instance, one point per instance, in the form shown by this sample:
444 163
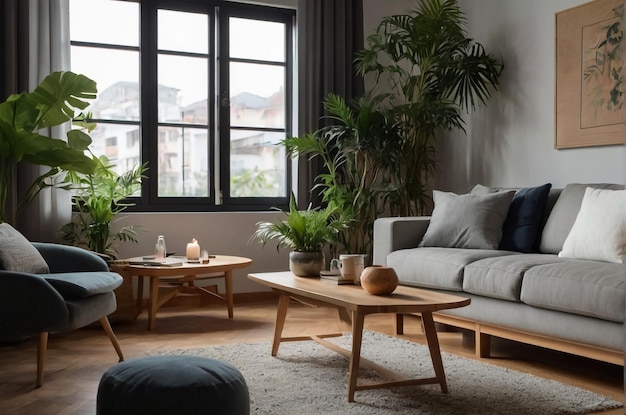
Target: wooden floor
77 359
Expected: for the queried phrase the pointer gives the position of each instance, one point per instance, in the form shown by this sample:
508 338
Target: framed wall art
589 107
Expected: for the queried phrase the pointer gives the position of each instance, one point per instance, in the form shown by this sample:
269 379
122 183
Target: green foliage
52 103
358 152
306 231
99 197
433 71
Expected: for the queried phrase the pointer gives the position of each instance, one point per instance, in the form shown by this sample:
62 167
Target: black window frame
218 12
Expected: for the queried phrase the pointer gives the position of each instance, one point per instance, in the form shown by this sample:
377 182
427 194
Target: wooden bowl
379 280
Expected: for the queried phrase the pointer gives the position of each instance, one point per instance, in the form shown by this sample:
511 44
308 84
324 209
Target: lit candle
193 249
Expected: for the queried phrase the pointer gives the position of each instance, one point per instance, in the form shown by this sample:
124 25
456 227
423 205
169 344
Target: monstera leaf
55 101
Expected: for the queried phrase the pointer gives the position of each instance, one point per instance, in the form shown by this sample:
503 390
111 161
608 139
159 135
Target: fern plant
98 198
305 231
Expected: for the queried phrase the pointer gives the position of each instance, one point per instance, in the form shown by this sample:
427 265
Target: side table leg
435 352
154 298
355 355
139 293
228 281
283 304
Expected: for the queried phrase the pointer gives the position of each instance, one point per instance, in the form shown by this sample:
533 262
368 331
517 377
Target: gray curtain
331 32
35 44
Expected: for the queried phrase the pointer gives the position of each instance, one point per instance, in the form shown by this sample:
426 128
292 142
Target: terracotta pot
306 264
379 280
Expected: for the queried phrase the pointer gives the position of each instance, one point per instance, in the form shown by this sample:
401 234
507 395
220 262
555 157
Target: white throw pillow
599 232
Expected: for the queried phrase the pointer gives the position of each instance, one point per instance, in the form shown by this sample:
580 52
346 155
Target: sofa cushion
75 285
589 288
18 254
439 268
520 231
501 277
467 221
563 215
599 232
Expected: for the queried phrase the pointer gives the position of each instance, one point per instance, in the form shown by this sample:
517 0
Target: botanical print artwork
602 96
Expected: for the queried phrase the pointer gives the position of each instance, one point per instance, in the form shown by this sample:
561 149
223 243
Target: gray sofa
573 305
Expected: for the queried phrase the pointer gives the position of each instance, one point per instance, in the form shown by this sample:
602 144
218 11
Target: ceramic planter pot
379 280
306 264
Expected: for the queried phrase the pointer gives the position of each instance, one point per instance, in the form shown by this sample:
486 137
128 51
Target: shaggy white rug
307 378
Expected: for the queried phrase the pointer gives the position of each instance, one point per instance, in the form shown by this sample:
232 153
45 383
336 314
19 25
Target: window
200 90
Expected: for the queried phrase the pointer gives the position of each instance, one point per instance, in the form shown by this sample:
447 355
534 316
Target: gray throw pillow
18 254
467 221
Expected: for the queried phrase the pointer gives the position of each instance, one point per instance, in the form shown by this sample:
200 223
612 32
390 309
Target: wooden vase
379 280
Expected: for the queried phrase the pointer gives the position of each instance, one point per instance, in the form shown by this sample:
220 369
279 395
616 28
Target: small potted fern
98 198
306 233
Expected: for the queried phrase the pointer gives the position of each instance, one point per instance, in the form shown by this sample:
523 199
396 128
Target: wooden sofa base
484 331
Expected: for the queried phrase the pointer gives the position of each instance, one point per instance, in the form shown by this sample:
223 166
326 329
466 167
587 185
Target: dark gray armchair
77 291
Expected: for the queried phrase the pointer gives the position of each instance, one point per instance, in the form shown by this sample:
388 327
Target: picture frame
589 98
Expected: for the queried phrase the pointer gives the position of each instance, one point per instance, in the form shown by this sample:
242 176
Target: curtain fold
36 43
331 32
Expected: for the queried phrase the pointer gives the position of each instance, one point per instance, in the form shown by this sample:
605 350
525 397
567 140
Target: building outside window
202 91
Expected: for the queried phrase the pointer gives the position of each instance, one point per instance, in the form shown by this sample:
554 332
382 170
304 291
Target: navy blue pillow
520 231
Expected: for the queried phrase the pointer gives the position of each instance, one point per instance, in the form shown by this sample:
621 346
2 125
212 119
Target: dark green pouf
184 385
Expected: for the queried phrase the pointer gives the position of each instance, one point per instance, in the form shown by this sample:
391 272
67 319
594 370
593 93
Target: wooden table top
219 263
351 297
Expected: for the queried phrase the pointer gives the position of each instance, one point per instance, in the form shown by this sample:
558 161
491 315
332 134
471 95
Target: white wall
511 141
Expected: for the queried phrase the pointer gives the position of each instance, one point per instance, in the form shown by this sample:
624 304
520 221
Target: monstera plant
57 100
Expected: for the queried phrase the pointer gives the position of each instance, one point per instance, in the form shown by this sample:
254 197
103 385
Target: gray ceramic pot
306 264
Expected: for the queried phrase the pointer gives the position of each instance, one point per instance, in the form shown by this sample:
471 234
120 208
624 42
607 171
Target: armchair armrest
65 258
29 305
392 234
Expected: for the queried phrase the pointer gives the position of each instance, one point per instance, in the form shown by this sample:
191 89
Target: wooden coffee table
354 304
183 275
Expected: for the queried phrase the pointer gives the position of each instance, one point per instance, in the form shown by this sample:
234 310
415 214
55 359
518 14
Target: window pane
105 21
257 95
120 143
117 81
183 82
257 164
183 32
183 162
254 39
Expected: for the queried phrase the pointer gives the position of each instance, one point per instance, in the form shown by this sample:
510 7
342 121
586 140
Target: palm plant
358 151
433 72
53 102
98 198
304 231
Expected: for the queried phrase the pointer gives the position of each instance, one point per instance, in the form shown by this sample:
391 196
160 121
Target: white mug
350 265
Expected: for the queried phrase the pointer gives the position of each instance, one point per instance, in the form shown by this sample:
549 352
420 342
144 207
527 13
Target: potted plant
52 103
433 72
306 233
359 151
98 197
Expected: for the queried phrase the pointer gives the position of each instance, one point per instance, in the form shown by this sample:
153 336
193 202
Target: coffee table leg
283 304
435 352
355 355
228 281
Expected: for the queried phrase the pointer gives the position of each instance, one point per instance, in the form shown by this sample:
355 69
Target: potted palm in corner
306 232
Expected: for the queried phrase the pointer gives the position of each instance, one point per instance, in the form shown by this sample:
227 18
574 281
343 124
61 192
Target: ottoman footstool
173 384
